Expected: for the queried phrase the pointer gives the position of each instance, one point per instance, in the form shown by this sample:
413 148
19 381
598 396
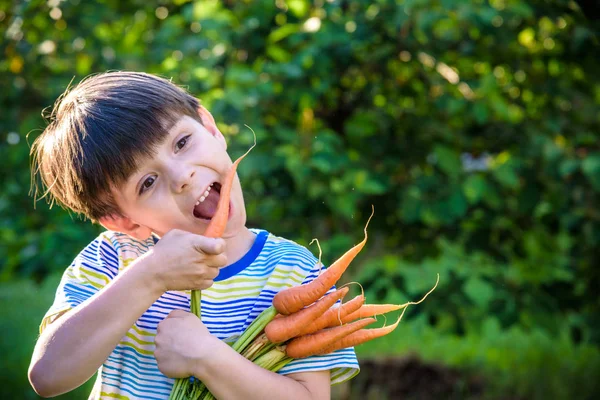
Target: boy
141 157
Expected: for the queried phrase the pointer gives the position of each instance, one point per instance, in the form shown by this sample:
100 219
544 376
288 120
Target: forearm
228 375
71 349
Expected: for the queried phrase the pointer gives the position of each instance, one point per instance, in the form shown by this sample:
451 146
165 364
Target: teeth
205 195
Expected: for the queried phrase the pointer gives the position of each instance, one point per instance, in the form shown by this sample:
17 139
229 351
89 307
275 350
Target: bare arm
71 349
228 375
184 347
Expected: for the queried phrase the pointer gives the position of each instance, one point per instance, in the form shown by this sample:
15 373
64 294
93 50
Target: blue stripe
124 376
246 260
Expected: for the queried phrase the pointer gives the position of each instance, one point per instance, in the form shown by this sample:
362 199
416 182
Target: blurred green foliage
22 305
472 127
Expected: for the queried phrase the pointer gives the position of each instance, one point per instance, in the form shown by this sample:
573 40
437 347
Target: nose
182 177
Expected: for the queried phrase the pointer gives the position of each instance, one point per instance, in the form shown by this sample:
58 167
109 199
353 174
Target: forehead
178 123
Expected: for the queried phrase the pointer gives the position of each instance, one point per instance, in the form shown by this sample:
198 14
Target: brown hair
98 131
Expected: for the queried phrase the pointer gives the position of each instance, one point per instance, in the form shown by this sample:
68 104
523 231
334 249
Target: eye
147 184
182 142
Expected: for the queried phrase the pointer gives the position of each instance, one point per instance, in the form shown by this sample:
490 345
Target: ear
209 123
125 225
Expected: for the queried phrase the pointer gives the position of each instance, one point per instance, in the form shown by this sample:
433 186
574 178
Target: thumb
177 314
208 245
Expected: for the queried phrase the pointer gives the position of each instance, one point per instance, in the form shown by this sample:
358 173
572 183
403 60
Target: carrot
334 316
360 336
290 300
282 329
308 345
218 222
370 310
364 335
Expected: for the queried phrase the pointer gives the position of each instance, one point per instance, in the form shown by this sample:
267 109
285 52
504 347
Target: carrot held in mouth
218 223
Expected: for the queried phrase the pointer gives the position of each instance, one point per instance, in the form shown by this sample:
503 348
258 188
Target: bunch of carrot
302 321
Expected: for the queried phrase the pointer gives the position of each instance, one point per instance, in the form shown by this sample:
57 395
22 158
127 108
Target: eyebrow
177 126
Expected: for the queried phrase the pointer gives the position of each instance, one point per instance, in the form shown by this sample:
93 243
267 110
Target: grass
515 363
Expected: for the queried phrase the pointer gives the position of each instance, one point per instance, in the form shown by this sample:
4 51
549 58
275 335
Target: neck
238 245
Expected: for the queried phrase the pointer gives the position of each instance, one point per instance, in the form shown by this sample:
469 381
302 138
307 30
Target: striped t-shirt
240 292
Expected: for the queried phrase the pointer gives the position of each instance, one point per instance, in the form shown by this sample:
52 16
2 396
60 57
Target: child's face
169 190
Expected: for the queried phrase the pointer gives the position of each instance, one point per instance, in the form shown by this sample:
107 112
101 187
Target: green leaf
507 175
278 53
448 160
457 204
283 32
568 167
591 168
474 188
479 291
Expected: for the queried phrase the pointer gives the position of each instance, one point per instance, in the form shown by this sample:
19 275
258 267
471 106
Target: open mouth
206 205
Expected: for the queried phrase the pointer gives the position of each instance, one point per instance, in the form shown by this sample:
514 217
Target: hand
184 261
182 342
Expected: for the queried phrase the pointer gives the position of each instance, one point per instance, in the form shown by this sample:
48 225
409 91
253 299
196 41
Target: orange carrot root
308 345
293 299
218 222
282 329
361 336
334 316
364 335
370 310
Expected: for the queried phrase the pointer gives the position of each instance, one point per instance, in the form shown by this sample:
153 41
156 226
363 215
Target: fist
185 261
182 342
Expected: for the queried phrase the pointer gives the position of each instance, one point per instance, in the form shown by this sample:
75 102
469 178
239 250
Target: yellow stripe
97 275
236 289
234 296
276 285
140 341
79 274
114 396
146 352
286 277
127 261
141 332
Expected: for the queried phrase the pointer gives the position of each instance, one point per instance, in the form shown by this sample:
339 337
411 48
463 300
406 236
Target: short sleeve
95 266
342 363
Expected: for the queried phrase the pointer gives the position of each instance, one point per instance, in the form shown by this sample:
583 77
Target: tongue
208 207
